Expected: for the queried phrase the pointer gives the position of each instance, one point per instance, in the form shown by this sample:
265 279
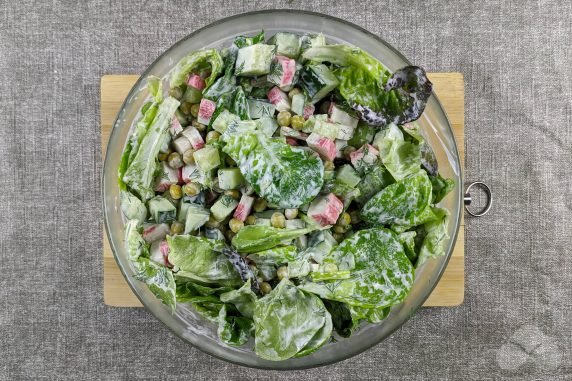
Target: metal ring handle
467 199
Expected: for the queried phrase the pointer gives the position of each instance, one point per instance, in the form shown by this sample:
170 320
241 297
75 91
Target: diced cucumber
207 158
259 109
213 233
311 122
192 95
338 115
267 125
312 41
326 129
132 207
317 81
223 207
230 178
287 44
348 176
196 217
254 60
182 213
318 40
320 243
162 210
298 102
263 221
340 145
301 242
223 119
295 224
363 134
328 175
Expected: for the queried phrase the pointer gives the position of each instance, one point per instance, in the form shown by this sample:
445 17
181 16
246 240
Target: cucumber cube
347 175
230 178
295 224
342 117
287 44
311 122
254 60
207 158
317 81
268 125
182 213
327 129
263 221
162 210
223 208
223 119
196 217
259 109
298 102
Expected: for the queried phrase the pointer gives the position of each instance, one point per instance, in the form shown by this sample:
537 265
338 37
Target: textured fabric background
515 322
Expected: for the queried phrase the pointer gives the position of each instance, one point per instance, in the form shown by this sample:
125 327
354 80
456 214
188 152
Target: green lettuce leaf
139 176
284 175
186 290
194 61
148 113
342 318
135 245
123 165
286 320
378 96
407 239
441 187
132 207
239 105
197 260
406 203
243 299
400 157
319 339
256 238
372 315
436 234
234 330
381 273
158 278
275 256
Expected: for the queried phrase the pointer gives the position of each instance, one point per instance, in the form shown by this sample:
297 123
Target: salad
283 190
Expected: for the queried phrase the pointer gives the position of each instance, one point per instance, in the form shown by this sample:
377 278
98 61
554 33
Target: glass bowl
187 324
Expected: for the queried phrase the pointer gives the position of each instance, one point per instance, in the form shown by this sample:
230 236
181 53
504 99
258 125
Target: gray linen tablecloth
516 57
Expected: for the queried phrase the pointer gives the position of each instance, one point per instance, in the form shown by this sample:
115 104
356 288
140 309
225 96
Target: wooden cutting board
449 87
